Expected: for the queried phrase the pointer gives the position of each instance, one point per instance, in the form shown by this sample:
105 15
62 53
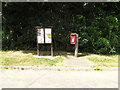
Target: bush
102 46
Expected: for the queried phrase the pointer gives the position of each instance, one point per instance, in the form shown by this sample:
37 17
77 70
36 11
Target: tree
96 23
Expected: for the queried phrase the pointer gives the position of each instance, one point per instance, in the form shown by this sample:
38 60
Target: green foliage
102 46
97 69
98 25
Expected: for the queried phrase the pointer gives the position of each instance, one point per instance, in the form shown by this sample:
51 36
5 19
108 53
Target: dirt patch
50 57
20 54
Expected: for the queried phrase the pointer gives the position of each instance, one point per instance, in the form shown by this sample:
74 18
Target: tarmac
57 79
76 73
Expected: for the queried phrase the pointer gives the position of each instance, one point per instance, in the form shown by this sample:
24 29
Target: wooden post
51 44
51 49
38 52
76 46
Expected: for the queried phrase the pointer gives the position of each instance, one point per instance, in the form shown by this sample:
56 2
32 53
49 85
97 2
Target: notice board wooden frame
38 44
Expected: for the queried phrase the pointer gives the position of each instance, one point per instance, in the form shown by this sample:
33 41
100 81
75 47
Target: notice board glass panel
40 36
48 35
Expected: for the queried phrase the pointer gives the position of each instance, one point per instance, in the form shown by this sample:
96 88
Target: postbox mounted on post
74 40
73 37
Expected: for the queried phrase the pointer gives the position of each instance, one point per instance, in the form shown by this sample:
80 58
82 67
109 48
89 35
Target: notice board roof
43 26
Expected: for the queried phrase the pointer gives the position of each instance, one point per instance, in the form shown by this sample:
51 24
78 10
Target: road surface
58 79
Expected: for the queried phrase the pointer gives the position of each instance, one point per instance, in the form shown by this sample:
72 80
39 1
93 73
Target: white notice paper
40 36
48 35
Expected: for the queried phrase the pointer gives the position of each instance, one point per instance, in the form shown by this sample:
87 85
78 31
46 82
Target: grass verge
27 58
104 60
18 58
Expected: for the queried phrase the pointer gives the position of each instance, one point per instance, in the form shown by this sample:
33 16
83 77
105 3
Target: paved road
58 79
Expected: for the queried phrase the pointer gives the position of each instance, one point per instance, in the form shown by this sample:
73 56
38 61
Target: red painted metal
73 38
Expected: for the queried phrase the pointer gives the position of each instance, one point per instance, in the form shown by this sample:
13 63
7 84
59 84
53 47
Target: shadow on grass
29 51
82 54
56 53
46 53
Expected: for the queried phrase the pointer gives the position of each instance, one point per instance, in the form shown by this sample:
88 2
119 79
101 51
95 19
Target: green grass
18 58
104 60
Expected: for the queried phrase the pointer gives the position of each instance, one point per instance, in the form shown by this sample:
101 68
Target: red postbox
73 37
